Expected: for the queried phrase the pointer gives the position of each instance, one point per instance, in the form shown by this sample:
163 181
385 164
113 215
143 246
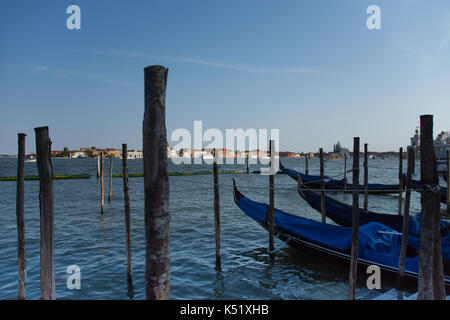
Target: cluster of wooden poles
431 276
157 217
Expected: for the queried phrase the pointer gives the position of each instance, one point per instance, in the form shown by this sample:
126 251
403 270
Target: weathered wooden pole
156 184
127 216
404 244
366 178
101 183
322 186
448 181
217 211
98 166
248 162
431 277
345 172
271 197
400 180
20 204
45 169
307 164
110 176
355 221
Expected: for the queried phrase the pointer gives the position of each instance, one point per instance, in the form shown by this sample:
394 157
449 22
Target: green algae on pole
156 185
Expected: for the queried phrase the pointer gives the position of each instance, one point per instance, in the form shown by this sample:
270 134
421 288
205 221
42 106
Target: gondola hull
313 182
306 236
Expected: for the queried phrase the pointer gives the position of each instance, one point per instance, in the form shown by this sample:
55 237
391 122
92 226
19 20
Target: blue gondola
417 185
378 243
313 182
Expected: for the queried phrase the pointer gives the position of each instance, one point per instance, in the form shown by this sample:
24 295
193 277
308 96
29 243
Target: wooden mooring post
217 211
101 184
156 185
45 169
20 204
322 186
431 275
355 221
271 198
98 166
405 230
400 180
366 178
127 216
307 164
345 172
248 162
110 176
448 181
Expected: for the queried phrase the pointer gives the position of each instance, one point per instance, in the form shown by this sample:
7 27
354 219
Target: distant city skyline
313 70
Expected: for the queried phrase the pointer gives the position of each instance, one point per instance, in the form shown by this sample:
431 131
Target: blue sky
310 68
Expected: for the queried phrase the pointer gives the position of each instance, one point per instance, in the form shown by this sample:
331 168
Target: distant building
78 154
441 145
339 150
287 154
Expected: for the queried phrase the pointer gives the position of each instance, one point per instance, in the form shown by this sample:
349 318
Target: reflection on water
96 243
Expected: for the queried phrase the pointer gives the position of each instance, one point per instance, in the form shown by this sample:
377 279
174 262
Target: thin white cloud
40 68
215 64
445 38
61 73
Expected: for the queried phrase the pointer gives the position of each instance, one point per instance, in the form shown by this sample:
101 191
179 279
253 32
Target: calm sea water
96 243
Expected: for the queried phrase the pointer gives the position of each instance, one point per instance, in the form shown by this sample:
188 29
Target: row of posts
430 278
156 184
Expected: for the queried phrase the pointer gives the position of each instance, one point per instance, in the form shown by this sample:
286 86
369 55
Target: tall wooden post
355 221
448 181
248 162
45 169
101 183
366 178
98 166
271 197
345 172
110 176
21 262
400 180
156 183
127 216
402 258
431 277
307 164
217 211
322 186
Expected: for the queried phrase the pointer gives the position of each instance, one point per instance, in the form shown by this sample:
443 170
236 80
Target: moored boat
378 244
313 182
